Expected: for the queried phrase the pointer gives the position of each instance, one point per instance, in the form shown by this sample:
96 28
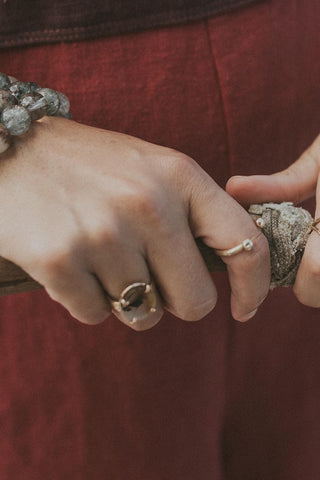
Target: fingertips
81 294
248 316
293 184
258 189
307 284
242 188
223 224
249 274
182 276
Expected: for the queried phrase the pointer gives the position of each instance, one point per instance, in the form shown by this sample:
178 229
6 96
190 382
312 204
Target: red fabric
39 21
211 400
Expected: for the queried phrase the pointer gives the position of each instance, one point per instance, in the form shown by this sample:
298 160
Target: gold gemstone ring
137 302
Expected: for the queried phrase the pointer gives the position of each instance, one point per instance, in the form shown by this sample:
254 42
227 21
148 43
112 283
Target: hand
296 183
87 212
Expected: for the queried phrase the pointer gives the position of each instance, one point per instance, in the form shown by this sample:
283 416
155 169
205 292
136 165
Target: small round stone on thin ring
148 288
260 222
247 244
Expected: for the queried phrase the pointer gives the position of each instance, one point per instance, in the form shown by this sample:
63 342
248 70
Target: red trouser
213 400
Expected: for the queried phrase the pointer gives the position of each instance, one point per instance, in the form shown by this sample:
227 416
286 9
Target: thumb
294 184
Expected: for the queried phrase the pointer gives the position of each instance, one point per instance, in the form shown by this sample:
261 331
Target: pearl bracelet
24 102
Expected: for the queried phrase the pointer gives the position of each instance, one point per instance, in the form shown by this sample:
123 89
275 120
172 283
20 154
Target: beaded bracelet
24 102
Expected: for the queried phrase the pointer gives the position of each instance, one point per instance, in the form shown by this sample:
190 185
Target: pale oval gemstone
141 301
139 306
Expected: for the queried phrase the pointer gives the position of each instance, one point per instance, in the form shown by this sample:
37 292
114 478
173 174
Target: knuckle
176 165
181 161
54 260
104 234
146 209
146 204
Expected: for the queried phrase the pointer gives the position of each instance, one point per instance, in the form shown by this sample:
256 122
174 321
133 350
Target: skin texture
87 211
298 182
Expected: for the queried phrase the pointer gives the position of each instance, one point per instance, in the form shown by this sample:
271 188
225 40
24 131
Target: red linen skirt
212 400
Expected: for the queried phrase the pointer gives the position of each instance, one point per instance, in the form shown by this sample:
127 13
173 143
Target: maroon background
211 400
39 21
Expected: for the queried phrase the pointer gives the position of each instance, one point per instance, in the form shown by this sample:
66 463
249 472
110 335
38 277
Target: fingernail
239 177
246 317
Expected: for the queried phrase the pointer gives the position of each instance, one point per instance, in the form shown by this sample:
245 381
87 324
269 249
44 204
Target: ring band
137 302
246 245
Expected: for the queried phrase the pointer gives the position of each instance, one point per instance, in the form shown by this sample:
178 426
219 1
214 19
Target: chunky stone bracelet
21 103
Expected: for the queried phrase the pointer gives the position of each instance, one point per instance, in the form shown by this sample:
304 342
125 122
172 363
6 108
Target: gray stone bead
4 81
52 100
4 139
6 99
18 89
33 86
35 103
16 120
64 106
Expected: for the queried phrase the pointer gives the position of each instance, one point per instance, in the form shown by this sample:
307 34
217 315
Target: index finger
223 224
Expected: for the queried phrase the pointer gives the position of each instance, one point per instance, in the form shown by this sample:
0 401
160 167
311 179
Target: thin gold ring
246 245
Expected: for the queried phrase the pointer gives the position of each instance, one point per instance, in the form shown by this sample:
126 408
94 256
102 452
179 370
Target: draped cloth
209 400
39 21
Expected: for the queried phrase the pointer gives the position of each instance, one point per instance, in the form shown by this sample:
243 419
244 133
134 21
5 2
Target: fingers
88 295
222 224
307 284
119 267
294 184
181 274
81 294
249 274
